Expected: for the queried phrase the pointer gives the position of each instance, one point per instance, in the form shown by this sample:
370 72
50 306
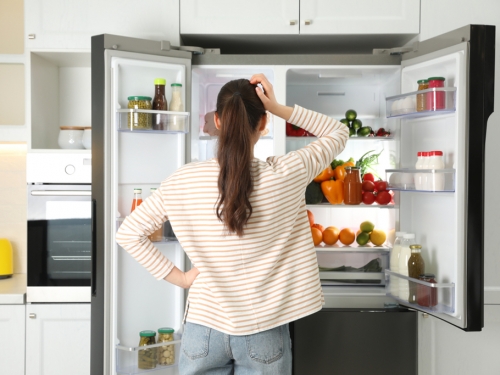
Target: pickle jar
166 353
423 84
138 120
147 357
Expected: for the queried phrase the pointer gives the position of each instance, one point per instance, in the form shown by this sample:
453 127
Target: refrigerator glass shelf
214 137
307 140
350 278
431 297
127 357
362 205
138 120
433 101
351 248
421 180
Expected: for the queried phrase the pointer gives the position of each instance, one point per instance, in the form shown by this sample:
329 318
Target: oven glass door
59 235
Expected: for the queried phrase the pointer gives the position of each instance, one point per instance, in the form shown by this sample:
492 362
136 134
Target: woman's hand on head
267 97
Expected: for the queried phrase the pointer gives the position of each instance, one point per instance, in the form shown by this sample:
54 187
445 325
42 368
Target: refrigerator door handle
94 250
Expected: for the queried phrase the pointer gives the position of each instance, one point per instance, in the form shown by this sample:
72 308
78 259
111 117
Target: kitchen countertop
13 290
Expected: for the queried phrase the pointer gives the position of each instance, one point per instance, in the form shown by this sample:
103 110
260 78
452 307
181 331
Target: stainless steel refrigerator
448 223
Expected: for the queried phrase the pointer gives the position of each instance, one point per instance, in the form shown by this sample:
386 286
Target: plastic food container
137 120
166 354
147 357
70 137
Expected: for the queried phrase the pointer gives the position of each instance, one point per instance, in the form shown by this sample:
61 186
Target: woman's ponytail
240 111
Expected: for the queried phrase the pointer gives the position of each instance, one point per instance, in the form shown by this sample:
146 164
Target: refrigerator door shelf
214 137
127 357
431 102
175 122
432 297
421 180
351 206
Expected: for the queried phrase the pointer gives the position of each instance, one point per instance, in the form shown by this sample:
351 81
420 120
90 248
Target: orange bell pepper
339 173
325 175
333 191
349 164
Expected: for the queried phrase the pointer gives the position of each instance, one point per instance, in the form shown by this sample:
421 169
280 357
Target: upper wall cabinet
71 24
239 17
282 17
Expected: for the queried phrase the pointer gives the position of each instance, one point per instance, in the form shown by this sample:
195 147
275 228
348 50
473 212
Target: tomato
368 197
383 197
368 186
380 185
368 177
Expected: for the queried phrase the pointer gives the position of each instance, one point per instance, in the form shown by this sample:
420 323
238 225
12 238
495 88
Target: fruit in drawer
331 235
317 236
378 237
347 236
366 226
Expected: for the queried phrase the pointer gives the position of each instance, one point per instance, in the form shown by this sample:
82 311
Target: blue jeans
210 352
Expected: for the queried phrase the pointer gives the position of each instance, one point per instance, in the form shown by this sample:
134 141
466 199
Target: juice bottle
394 262
416 268
136 202
404 256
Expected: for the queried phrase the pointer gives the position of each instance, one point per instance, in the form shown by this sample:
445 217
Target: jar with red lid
436 99
427 295
352 186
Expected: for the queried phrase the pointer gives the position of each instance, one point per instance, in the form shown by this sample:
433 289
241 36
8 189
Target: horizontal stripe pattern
267 277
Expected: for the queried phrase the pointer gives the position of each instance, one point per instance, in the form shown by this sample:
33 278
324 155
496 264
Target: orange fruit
311 218
347 236
319 226
316 235
331 235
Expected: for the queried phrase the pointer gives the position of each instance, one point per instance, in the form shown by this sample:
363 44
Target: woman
243 223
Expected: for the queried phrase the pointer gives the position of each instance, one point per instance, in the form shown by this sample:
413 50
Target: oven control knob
70 169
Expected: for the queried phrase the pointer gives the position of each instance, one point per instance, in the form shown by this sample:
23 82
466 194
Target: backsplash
13 201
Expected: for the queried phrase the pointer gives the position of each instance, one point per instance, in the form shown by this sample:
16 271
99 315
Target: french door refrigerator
447 223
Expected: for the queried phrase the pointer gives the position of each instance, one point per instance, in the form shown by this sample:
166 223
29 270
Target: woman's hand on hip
182 279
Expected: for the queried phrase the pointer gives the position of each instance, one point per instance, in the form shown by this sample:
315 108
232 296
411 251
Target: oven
59 232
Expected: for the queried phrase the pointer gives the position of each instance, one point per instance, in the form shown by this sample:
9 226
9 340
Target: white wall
443 349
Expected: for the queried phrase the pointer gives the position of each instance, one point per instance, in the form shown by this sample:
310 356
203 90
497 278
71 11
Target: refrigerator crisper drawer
430 297
127 358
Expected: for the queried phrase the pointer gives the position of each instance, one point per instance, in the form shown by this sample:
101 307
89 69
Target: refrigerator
449 224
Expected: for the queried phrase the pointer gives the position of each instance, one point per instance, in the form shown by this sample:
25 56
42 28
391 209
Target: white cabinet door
12 339
70 24
239 17
58 339
359 17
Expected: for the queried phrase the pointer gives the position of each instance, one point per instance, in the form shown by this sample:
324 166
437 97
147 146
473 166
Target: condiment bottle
436 179
423 84
394 262
427 295
166 354
418 176
147 357
404 256
436 99
157 235
416 267
160 104
352 186
425 177
136 202
176 123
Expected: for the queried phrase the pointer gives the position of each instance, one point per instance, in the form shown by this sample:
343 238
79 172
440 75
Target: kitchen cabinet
12 332
70 24
12 100
11 27
58 339
300 17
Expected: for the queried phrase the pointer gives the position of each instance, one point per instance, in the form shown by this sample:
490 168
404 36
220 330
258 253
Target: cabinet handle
32 316
293 22
307 22
31 36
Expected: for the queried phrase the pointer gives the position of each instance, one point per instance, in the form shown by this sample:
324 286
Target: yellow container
6 262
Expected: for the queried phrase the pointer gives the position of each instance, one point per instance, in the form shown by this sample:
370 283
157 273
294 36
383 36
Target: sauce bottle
404 256
427 295
394 262
352 186
160 104
416 267
136 202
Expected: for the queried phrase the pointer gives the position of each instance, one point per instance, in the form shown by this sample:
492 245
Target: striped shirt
267 277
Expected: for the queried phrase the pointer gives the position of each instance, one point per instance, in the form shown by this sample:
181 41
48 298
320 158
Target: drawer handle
293 22
307 22
32 316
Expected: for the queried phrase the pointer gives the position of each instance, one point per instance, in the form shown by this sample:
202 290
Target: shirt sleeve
332 137
135 229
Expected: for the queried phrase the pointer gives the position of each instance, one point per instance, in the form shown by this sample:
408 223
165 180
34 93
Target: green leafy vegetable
367 161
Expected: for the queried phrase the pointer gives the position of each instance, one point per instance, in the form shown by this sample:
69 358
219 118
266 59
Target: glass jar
160 104
137 200
139 120
176 123
147 357
416 267
157 235
436 99
423 84
166 354
426 295
70 137
352 186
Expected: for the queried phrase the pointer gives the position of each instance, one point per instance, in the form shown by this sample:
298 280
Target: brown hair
240 111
